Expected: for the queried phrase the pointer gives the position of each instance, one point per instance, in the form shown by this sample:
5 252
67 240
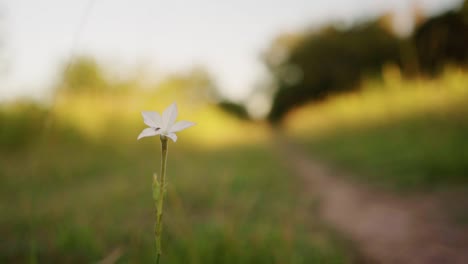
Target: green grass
70 199
423 152
398 134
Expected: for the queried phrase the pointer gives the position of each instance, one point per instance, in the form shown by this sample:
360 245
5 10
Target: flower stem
159 196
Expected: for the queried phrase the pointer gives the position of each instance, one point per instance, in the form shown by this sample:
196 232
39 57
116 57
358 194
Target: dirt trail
385 227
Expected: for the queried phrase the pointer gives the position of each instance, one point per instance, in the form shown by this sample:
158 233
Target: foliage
83 74
21 124
329 61
194 86
236 109
443 40
310 66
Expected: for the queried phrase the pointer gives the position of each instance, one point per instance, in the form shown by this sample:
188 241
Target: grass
76 197
75 185
424 152
399 134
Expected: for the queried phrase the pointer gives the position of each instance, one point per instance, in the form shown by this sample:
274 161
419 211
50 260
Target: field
75 185
397 134
76 188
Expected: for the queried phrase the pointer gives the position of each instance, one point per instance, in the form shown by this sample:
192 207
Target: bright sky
226 37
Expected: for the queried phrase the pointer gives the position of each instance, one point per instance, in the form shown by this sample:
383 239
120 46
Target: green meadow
75 187
75 184
405 135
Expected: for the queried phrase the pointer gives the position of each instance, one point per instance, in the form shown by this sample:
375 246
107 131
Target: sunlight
378 102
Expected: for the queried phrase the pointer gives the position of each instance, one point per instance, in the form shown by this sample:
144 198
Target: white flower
163 125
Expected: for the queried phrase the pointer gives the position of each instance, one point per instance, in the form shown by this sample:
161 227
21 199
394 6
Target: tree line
309 66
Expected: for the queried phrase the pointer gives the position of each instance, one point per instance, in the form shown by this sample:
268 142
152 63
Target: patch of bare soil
384 226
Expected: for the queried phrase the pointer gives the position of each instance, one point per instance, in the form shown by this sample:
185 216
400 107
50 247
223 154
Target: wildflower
163 125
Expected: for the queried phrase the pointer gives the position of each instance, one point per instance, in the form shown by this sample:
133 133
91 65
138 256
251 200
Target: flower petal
169 116
152 119
148 132
181 125
172 136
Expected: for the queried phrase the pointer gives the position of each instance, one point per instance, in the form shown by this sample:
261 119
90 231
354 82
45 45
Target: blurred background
375 89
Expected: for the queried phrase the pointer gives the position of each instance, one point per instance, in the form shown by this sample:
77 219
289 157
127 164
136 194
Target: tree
443 40
330 60
83 74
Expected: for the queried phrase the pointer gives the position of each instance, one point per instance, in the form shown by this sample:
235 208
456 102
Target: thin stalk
160 197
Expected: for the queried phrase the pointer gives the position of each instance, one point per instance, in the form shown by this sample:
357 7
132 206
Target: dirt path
385 227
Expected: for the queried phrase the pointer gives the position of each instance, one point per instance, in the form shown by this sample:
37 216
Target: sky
225 37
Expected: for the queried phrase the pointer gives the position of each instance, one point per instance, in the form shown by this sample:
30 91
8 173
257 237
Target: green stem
160 197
